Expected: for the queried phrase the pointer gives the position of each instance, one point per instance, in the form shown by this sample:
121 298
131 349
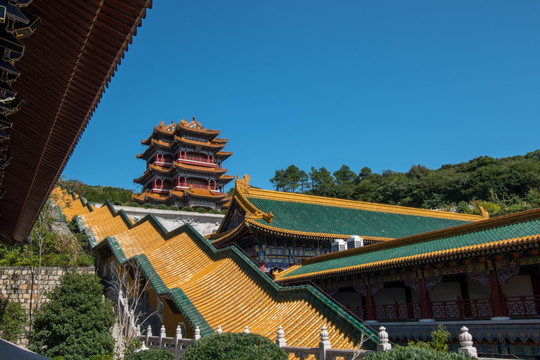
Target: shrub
175 208
234 346
102 357
407 353
75 323
12 320
439 340
187 208
84 259
132 203
201 210
162 207
151 354
213 211
148 206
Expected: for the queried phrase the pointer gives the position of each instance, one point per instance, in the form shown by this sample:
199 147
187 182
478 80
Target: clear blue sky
383 84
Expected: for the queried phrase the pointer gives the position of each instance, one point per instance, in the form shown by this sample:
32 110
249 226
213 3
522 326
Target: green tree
12 320
75 323
322 182
278 180
345 176
364 173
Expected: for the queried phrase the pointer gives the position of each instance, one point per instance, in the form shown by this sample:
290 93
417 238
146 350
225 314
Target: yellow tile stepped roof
306 216
223 287
506 233
69 204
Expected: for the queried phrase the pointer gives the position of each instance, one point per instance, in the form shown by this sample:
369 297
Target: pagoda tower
184 167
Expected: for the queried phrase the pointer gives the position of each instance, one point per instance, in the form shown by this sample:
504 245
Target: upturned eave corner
242 189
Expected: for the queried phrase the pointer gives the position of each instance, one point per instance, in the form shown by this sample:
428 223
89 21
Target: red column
497 299
370 305
426 308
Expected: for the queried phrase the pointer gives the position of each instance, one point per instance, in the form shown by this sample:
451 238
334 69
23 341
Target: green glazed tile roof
313 218
518 230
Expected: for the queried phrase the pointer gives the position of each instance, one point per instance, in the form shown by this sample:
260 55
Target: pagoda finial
194 119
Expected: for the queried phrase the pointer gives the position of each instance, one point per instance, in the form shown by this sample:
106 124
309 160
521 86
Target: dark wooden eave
66 66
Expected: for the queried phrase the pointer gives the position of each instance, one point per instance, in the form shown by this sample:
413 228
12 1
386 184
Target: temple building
184 167
279 229
484 275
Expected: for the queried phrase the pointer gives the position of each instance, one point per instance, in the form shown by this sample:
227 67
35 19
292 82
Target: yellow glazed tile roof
181 262
103 223
207 144
204 193
223 286
69 206
205 169
195 126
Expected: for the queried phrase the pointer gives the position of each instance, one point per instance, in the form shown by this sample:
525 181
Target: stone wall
24 284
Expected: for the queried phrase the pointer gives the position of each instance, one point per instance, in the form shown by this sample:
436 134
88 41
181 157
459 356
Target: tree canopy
99 193
501 186
75 323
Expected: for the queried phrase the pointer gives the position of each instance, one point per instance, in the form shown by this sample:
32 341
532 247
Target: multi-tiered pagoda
184 167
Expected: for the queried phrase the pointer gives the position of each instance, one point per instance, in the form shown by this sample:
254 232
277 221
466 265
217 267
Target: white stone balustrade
178 345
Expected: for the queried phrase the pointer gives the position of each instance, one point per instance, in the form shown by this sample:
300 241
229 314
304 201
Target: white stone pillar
177 337
465 340
148 334
197 333
384 344
324 344
162 334
280 341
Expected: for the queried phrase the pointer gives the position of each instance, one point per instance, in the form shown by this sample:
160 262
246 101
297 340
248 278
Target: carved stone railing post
177 338
246 330
162 334
280 341
219 331
197 333
384 344
137 332
148 334
324 344
465 340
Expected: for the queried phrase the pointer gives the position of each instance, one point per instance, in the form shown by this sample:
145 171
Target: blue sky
384 84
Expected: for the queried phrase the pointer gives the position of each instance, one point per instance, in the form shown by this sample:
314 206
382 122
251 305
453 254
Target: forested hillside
501 186
99 193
